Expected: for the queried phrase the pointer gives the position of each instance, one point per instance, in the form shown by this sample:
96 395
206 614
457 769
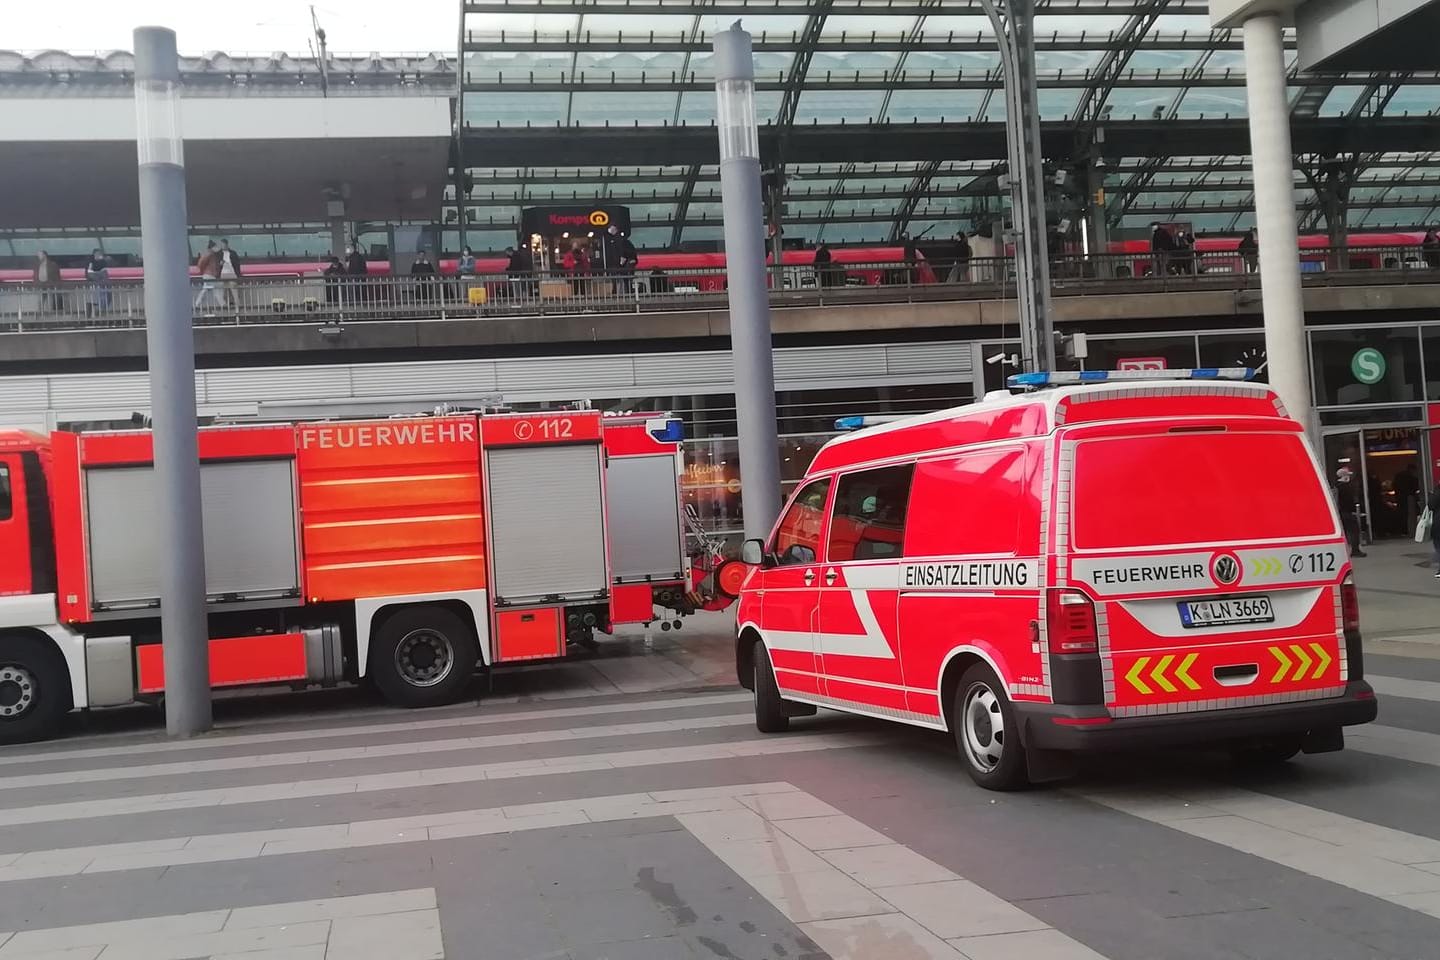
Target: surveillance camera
998 358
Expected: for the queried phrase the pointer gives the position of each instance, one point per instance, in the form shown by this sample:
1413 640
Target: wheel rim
17 690
983 726
424 657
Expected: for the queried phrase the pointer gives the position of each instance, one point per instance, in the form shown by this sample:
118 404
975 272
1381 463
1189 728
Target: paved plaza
624 808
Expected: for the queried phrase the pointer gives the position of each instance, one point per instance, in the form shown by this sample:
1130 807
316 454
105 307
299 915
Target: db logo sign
1141 363
599 218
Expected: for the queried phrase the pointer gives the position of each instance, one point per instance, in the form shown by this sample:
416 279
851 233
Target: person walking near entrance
1407 497
1433 505
1349 505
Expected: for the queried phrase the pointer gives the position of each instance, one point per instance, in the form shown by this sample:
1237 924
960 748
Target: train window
7 506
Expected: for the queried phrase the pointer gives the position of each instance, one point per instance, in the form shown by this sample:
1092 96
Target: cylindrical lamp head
734 64
157 97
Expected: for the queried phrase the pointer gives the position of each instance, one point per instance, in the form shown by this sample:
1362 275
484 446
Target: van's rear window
1174 489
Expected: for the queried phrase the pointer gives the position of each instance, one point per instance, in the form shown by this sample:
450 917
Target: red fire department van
407 551
1089 565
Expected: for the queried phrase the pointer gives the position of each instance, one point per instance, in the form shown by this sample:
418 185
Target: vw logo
1225 568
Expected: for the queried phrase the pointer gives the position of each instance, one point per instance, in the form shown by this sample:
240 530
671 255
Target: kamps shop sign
553 221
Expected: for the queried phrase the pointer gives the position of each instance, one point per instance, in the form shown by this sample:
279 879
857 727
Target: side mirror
752 552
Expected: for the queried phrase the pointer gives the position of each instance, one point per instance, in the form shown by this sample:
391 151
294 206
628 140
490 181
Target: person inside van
1349 504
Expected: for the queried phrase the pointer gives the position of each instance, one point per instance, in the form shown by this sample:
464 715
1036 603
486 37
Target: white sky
244 26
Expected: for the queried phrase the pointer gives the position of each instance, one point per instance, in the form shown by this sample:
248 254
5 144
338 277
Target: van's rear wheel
770 714
423 657
34 690
986 731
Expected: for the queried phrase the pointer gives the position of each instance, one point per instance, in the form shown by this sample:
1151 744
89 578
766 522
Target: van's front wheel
986 731
770 715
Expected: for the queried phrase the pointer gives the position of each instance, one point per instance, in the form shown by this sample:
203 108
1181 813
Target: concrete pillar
750 339
1280 291
170 341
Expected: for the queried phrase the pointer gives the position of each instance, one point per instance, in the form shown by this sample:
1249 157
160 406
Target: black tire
986 732
1270 752
34 690
769 708
423 657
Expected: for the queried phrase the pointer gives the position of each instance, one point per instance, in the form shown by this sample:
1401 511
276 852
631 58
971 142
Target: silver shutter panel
547 530
644 517
248 512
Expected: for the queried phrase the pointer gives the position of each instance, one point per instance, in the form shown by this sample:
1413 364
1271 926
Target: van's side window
797 540
7 508
868 522
976 500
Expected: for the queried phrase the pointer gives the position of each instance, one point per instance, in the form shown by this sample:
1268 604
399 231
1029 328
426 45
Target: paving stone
888 936
959 908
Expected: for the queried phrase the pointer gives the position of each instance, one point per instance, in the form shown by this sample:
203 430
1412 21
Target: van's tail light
1349 606
1070 623
1350 623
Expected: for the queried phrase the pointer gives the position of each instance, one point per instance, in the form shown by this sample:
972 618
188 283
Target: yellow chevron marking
1158 674
1182 672
1134 676
1285 664
1305 661
1324 660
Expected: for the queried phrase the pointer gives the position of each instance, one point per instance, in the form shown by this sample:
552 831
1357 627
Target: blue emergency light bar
1063 378
856 423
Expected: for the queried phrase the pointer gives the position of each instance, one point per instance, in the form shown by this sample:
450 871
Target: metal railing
32 307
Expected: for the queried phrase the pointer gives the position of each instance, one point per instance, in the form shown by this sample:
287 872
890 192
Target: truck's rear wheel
423 657
34 690
986 731
770 716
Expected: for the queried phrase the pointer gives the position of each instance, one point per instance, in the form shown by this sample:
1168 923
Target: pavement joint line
1407 688
404 925
405 726
1366 857
420 828
340 754
428 777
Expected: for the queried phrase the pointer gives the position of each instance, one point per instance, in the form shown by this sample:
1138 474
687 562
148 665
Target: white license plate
1226 612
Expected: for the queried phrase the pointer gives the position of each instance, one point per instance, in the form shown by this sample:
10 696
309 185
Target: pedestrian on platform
208 266
1185 252
229 273
466 266
1349 505
422 272
960 269
97 274
1430 249
47 278
823 258
1249 250
333 272
1162 245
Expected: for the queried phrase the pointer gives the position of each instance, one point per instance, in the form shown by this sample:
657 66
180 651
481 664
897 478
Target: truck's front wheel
34 690
423 657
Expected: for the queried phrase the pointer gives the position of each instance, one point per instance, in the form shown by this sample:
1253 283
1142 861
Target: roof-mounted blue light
849 423
1062 378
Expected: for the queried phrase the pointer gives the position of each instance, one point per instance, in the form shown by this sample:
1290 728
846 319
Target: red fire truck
407 551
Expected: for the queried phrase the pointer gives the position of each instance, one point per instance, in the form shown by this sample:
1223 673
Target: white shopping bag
1422 528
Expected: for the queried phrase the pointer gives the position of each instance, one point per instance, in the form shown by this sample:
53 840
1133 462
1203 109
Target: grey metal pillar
750 341
1274 173
170 341
1014 32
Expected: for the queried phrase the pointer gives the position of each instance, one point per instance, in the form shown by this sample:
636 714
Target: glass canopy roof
581 72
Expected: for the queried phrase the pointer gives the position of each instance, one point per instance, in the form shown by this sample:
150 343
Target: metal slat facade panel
24 393
829 364
108 391
274 383
930 358
701 367
574 375
547 529
441 378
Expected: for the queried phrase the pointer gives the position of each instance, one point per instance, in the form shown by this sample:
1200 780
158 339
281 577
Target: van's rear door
1214 555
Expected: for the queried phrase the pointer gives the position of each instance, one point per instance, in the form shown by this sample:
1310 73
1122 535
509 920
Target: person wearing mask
629 260
1162 245
208 267
1348 503
229 273
960 270
1184 252
1430 249
824 274
1249 250
97 274
466 265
